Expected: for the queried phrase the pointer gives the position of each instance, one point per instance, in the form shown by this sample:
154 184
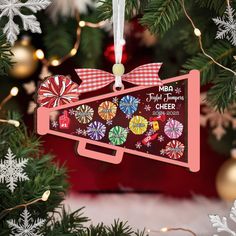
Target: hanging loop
118 30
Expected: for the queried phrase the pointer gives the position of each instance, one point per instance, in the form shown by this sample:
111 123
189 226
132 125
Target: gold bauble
226 179
24 58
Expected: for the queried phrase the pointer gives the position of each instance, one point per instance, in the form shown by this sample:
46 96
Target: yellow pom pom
118 69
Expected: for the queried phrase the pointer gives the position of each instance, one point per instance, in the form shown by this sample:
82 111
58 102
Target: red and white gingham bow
93 79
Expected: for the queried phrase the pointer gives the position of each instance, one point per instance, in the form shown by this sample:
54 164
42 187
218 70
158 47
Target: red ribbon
93 79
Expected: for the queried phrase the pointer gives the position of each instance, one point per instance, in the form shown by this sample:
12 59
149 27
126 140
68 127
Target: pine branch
42 174
222 52
217 5
68 224
132 8
160 15
5 55
119 228
91 47
223 93
59 42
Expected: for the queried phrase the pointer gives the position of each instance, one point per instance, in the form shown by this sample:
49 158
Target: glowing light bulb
39 54
73 51
16 123
82 23
197 32
46 195
164 230
55 62
14 91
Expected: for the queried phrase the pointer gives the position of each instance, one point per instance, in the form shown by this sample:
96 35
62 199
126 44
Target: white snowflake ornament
12 170
227 26
221 224
31 107
12 8
25 226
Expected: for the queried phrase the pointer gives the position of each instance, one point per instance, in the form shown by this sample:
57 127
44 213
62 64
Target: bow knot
93 79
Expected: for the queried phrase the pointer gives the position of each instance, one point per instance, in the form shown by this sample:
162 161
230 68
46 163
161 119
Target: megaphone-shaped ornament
155 119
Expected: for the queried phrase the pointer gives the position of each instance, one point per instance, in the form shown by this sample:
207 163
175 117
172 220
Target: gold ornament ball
226 179
24 58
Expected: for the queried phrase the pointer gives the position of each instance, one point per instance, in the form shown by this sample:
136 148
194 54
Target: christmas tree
190 35
33 188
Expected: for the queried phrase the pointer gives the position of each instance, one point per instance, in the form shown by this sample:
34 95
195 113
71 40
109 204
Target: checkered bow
93 79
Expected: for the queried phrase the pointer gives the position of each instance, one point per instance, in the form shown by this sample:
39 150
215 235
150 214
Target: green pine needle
5 55
221 51
223 93
160 15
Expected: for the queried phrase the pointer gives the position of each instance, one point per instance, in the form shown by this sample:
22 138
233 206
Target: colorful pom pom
118 135
138 125
57 90
96 130
107 110
174 149
173 129
84 114
129 104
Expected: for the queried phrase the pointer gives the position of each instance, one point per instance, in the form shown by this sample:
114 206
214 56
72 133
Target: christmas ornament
226 179
31 107
29 87
44 72
57 90
144 134
219 122
227 25
221 224
109 54
11 170
24 57
13 8
26 226
130 120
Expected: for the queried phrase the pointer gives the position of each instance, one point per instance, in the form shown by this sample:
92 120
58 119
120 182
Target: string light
39 54
166 229
198 33
73 52
46 196
14 91
82 23
58 61
55 62
43 198
16 123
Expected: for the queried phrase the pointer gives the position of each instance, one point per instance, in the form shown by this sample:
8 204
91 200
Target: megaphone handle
83 151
